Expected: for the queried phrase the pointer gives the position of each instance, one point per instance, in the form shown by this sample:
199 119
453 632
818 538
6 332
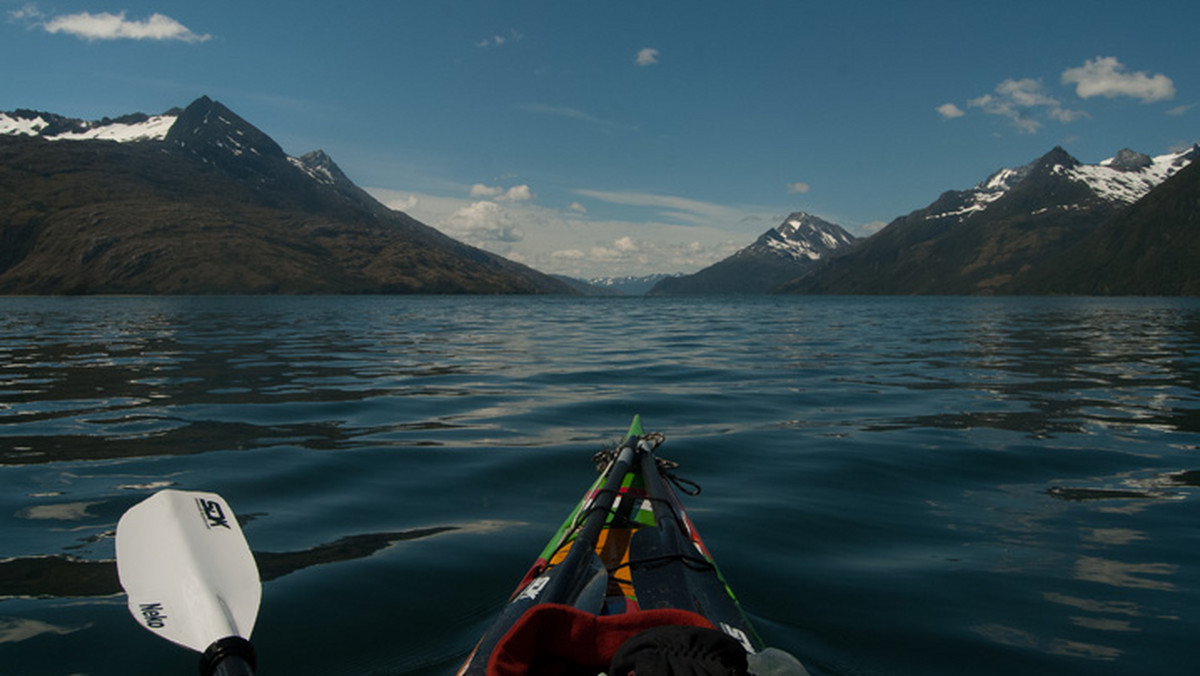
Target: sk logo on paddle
213 514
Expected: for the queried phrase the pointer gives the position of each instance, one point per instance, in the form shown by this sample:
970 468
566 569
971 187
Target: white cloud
564 240
950 111
1180 110
1106 76
1022 102
577 208
500 40
427 208
676 208
632 256
517 193
481 190
868 229
404 203
648 56
569 254
28 12
570 113
626 244
482 222
798 188
107 26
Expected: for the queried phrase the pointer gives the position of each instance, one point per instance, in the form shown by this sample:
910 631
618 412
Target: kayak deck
628 547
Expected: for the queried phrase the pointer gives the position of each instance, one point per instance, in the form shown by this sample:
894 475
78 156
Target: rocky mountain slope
778 255
1152 248
199 201
993 238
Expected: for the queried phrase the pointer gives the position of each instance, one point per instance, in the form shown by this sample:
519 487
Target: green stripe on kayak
635 430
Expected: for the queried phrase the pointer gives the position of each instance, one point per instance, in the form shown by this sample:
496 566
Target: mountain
986 240
583 287
629 285
135 127
778 255
199 201
1151 248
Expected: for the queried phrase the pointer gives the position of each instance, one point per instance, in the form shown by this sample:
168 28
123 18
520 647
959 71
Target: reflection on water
1100 607
1017 638
14 629
68 576
895 486
1118 574
67 511
1104 624
1113 536
123 380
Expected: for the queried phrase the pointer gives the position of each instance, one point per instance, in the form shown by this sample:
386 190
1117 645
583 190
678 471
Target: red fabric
557 640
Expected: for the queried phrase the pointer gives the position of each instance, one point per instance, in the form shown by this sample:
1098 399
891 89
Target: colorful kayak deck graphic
647 554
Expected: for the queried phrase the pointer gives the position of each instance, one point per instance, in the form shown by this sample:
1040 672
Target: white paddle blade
187 569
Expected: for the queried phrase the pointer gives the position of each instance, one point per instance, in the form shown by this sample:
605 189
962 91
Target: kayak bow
626 559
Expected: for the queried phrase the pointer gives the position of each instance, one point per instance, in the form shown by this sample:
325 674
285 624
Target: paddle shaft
573 578
584 544
230 656
232 666
599 511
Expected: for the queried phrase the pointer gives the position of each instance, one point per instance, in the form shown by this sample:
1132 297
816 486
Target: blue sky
635 137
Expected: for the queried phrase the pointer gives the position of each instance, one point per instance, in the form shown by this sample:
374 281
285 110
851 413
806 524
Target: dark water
892 486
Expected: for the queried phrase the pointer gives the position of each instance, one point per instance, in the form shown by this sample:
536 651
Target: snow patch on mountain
319 166
1122 179
803 237
319 174
205 128
152 128
1125 179
630 285
17 125
993 188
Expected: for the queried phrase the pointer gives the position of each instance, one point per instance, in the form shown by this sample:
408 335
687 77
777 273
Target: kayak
625 580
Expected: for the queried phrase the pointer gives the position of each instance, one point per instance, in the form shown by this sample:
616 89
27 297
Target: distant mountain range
1049 227
777 256
1128 225
629 285
199 201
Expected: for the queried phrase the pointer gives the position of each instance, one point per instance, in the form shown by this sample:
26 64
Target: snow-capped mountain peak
1128 160
320 166
211 130
1128 176
803 236
1119 180
205 129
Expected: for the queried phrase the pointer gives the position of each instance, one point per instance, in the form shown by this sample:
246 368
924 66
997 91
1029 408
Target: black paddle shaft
584 544
230 656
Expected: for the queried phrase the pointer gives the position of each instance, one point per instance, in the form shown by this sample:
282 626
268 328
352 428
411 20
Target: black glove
680 651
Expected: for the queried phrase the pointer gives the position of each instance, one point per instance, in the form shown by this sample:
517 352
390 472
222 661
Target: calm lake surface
892 486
